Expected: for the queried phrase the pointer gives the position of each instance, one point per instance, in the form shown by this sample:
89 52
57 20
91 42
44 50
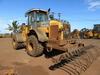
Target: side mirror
49 10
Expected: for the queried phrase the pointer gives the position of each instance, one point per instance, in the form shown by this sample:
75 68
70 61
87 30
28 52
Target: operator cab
37 17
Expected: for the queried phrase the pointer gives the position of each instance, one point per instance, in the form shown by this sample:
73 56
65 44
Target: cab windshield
37 19
41 17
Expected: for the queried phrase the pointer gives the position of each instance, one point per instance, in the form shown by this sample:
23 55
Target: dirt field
23 64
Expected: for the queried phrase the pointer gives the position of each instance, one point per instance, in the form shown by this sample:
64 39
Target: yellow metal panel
44 29
60 25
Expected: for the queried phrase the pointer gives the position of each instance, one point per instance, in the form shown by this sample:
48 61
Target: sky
79 13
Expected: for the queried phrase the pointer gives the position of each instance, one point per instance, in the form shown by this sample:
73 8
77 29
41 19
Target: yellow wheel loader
86 33
43 34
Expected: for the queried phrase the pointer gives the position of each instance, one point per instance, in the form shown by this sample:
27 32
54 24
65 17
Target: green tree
14 26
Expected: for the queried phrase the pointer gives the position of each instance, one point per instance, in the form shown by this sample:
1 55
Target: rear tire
17 41
15 44
33 47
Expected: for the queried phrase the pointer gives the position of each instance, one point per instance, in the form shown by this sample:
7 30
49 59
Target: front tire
33 47
17 45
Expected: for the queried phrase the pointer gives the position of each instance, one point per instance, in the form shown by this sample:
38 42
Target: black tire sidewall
38 48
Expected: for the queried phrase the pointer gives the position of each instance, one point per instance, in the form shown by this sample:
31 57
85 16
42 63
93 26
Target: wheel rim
30 46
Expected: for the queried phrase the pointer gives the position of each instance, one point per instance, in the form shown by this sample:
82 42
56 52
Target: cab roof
32 10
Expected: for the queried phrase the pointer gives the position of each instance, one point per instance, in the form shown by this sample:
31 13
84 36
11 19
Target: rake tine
73 69
90 56
82 65
77 64
65 70
70 70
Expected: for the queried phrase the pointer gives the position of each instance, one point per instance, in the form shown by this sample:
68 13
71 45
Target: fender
41 36
17 37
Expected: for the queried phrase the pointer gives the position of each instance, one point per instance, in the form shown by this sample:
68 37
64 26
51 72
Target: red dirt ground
23 64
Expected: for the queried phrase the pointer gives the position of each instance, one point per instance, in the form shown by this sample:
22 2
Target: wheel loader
96 35
90 33
86 33
43 34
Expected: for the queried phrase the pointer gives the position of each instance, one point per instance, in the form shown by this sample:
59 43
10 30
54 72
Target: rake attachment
77 61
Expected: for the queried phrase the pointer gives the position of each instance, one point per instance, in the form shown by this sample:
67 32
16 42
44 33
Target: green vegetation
6 35
13 27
